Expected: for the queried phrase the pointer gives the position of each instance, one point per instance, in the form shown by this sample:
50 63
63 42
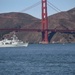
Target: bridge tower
44 22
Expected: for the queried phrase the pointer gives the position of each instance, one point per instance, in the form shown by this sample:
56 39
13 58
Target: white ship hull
16 45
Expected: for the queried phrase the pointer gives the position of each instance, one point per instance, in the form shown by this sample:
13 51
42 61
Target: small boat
13 42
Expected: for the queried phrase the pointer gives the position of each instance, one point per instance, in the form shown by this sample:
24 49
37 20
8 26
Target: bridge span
39 30
44 24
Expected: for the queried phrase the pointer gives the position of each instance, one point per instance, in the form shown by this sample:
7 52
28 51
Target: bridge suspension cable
53 7
32 6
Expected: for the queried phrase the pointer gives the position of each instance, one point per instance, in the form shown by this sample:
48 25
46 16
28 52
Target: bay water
38 59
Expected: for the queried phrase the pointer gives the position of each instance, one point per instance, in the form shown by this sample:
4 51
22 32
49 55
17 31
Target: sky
19 5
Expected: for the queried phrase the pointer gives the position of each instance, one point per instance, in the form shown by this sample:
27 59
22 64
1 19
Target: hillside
62 20
19 20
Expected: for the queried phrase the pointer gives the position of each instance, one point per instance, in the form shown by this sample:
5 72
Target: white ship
13 42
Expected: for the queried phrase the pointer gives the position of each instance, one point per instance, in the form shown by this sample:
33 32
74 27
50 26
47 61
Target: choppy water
38 59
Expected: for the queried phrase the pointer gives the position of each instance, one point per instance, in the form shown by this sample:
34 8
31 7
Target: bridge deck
38 30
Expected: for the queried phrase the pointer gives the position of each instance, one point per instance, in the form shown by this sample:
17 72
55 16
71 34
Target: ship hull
16 45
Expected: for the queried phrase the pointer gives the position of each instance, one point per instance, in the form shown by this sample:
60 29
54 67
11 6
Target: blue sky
19 5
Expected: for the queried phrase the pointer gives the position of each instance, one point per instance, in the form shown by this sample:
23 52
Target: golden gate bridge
44 22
